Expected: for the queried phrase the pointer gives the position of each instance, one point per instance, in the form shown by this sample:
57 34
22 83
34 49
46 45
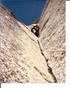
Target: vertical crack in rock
52 36
23 56
19 53
42 74
49 68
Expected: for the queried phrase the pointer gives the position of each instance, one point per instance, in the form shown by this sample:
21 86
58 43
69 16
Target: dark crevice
42 74
49 68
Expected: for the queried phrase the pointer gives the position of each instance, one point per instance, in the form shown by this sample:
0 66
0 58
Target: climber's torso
35 30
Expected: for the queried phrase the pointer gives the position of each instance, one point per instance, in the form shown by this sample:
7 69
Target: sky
27 11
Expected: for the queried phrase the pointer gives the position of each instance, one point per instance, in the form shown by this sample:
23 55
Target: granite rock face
52 36
26 58
20 56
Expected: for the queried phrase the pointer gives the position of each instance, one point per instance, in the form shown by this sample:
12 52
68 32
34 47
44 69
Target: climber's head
36 27
35 30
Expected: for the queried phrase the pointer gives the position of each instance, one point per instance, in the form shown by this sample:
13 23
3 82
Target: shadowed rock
52 36
22 56
20 53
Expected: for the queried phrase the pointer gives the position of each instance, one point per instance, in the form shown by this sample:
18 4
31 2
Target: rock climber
35 30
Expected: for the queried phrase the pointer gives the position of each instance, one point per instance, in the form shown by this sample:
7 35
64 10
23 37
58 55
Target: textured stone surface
52 37
20 56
